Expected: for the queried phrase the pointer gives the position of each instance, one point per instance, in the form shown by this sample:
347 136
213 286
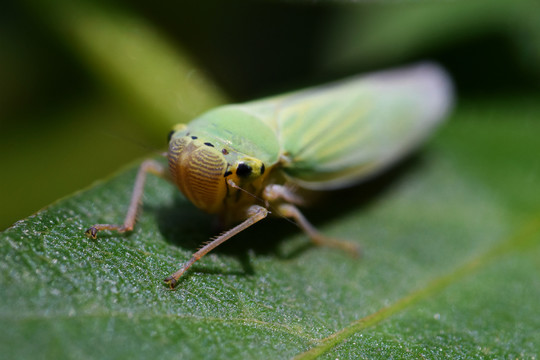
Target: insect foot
91 232
171 281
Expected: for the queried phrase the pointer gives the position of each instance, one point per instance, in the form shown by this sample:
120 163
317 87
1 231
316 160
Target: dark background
71 112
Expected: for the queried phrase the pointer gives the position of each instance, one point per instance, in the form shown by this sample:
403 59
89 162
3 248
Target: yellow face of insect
203 170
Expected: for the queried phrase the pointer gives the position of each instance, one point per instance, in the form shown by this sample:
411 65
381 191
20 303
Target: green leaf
451 243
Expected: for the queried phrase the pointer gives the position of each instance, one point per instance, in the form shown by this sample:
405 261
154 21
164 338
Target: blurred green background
88 86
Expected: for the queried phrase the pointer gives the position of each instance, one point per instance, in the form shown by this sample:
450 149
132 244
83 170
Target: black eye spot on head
262 169
209 144
243 170
170 136
224 151
193 137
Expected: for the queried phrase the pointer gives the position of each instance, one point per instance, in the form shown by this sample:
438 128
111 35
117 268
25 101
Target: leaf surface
451 242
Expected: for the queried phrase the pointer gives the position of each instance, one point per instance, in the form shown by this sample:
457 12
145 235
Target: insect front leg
274 193
148 166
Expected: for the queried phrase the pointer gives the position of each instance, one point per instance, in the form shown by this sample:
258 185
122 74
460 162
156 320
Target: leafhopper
243 161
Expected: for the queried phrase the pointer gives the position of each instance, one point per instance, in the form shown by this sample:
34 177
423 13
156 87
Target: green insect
243 161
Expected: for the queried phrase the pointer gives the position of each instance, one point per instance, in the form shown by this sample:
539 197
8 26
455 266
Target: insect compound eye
169 137
249 168
243 170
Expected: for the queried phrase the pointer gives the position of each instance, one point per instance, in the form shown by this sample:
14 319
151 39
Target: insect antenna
132 140
233 185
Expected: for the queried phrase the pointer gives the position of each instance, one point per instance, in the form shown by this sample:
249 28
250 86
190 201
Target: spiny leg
255 213
316 237
148 166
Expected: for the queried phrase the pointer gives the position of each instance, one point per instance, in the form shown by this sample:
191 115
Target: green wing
336 135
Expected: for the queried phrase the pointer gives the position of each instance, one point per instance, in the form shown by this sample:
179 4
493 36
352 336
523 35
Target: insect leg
148 166
255 213
291 211
275 192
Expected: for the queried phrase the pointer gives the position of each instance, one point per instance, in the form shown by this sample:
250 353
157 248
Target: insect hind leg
255 214
291 211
